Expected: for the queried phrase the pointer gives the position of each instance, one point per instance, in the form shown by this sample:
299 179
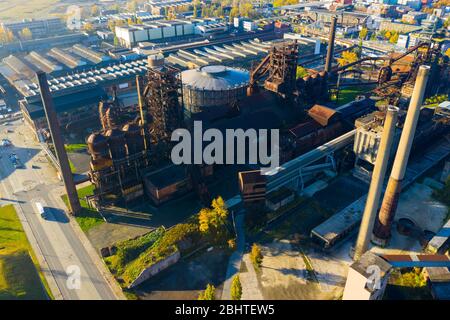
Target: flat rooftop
167 176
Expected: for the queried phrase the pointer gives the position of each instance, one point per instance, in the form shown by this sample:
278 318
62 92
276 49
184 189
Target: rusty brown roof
321 114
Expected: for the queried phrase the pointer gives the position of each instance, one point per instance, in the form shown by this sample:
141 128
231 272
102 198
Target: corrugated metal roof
215 78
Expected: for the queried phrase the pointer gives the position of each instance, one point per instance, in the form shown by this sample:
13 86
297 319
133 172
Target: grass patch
22 9
133 256
348 94
88 217
20 276
75 147
407 284
73 169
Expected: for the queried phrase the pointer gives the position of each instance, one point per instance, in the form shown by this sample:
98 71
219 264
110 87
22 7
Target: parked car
6 143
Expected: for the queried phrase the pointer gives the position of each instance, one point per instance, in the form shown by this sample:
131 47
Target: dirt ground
417 204
188 277
284 274
107 234
80 161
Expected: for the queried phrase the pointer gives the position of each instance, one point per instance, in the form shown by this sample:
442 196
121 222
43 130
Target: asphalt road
60 246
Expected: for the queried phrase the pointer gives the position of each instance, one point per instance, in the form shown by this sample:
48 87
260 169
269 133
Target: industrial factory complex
183 146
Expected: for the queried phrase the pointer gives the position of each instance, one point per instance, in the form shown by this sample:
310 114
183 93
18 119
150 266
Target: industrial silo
98 146
133 138
116 143
210 91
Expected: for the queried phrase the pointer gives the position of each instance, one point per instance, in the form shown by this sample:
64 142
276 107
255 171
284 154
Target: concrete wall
156 268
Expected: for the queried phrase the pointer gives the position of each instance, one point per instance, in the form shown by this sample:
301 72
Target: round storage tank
116 143
212 89
133 137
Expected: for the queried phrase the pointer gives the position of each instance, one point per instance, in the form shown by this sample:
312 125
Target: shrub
256 256
231 244
208 294
236 288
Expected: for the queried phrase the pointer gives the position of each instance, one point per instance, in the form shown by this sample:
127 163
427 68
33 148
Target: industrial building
38 28
77 96
157 31
345 222
233 53
361 285
162 7
167 183
117 156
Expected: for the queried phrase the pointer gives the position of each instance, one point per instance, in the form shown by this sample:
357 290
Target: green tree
236 288
208 294
115 7
204 11
25 34
301 72
88 27
95 10
6 35
447 52
112 25
347 57
234 12
132 6
363 33
394 38
246 10
256 256
218 12
194 11
447 22
211 219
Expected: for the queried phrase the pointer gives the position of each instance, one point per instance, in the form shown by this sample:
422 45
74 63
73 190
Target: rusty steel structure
278 68
162 101
118 156
110 112
61 154
330 49
119 153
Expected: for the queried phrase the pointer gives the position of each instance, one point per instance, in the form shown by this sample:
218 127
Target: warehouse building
38 28
163 30
76 96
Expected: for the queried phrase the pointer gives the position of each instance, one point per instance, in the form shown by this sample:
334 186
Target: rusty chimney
61 155
330 51
382 231
141 109
376 184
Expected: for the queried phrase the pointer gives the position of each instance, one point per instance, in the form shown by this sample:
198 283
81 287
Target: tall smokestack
140 103
141 109
53 124
376 184
382 231
330 52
